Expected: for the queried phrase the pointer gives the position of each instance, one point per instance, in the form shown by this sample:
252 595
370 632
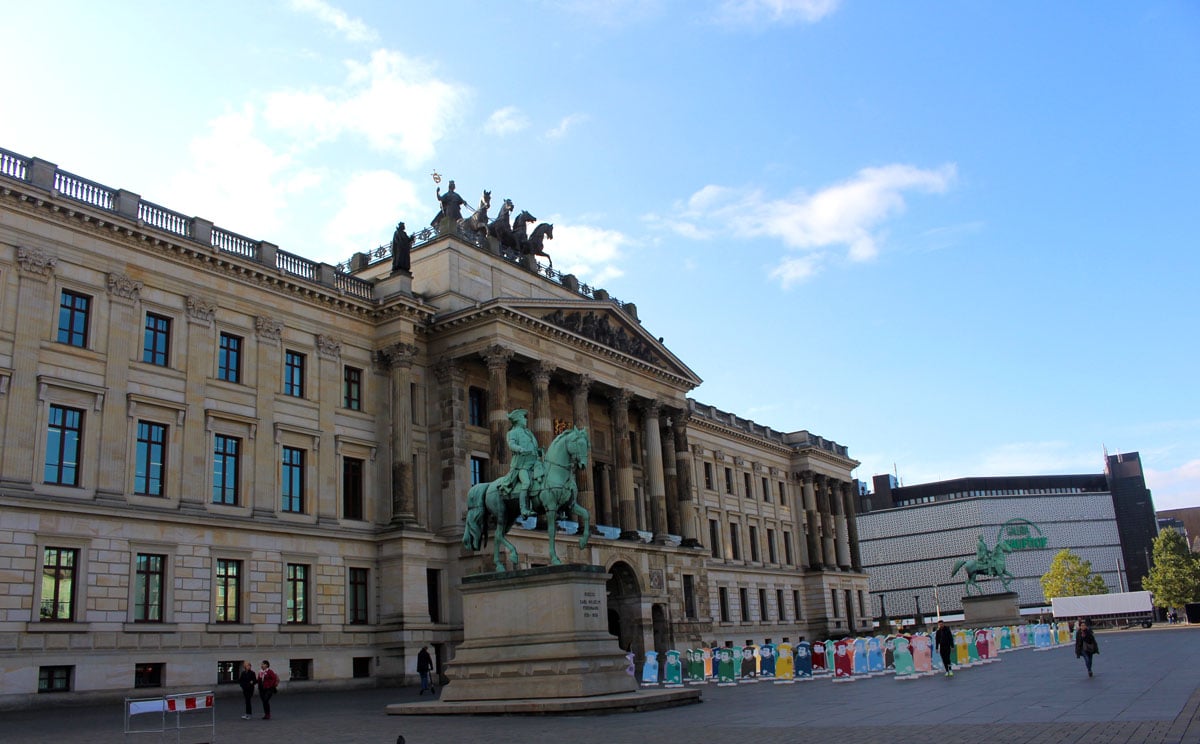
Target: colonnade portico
611 497
830 527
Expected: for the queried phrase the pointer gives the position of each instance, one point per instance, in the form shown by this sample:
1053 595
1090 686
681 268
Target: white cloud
392 101
753 12
846 215
351 28
507 120
1175 488
237 179
372 203
567 123
590 253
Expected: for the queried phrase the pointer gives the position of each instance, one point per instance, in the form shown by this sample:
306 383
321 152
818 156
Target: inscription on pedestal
590 605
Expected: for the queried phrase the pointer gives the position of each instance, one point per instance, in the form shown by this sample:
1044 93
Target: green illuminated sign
1018 534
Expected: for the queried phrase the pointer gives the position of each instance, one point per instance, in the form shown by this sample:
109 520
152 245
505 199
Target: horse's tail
475 525
959 564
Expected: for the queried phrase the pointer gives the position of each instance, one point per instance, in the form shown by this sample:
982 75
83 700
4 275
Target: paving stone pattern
1146 689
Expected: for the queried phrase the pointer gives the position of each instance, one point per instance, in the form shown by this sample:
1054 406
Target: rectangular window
229 358
58 584
156 346
723 596
728 480
74 313
352 388
296 612
64 435
782 494
689 596
766 490
708 476
148 675
787 548
149 582
226 469
797 614
744 597
361 666
478 470
300 668
55 678
780 605
753 543
228 671
763 611
293 374
352 488
749 488
714 538
833 603
433 590
735 544
359 583
772 555
862 607
292 480
635 448
477 414
150 459
229 591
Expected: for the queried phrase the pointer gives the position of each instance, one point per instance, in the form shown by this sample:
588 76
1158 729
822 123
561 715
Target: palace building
216 450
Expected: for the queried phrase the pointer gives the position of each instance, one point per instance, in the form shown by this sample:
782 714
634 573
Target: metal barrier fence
171 715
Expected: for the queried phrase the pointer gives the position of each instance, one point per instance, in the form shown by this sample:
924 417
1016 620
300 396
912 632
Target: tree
1071 576
1174 578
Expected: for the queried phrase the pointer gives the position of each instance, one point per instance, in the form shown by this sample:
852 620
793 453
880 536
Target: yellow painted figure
960 648
783 662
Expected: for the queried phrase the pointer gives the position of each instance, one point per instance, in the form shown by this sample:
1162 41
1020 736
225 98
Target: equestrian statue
987 563
535 484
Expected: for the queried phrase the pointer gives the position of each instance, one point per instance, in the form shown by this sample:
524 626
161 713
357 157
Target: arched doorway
625 609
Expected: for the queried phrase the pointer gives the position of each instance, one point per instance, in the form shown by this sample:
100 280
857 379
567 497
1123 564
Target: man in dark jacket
424 667
944 641
1085 644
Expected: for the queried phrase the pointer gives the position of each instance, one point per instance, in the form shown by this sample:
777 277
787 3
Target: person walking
247 680
1085 644
944 640
268 682
424 668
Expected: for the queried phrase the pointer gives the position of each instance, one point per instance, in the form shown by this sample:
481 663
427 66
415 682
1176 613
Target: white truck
1123 609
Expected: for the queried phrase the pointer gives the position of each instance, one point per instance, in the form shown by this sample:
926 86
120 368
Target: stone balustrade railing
49 177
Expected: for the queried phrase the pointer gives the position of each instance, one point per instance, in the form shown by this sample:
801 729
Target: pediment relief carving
600 327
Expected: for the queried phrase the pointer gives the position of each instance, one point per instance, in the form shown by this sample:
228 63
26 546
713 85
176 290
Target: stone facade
214 450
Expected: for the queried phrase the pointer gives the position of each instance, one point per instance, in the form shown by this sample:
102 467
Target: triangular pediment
603 326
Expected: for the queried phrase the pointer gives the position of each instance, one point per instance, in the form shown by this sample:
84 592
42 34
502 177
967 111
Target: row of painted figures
510 232
906 656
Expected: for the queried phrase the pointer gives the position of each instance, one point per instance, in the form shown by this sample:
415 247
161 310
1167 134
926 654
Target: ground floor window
362 666
55 678
148 675
300 668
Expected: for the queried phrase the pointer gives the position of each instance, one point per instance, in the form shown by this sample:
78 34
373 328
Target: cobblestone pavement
1146 689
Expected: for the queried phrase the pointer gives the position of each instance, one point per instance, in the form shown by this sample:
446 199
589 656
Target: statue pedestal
991 609
539 633
396 283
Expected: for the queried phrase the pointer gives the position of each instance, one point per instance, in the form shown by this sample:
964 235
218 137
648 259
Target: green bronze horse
552 492
993 565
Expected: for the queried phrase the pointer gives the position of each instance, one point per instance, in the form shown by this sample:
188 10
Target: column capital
680 418
36 262
620 398
124 287
329 347
583 382
651 407
399 355
200 310
268 328
497 356
540 371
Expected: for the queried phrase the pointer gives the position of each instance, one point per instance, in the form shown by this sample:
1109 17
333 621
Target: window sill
229 628
299 628
57 626
150 627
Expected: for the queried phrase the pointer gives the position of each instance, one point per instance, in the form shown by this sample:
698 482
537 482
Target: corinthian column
852 523
579 412
399 358
497 358
837 498
657 488
626 504
812 534
540 424
683 477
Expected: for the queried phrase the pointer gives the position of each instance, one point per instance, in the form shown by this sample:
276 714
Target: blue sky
957 237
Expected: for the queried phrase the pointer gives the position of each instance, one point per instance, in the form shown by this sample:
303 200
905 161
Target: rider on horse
526 454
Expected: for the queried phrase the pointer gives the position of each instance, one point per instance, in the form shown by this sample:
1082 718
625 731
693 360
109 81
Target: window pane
151 451
226 451
64 430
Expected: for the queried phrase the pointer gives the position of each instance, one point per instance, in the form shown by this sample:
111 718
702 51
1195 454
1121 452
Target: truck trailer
1122 610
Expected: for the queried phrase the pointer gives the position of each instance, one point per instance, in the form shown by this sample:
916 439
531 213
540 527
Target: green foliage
1175 576
1071 576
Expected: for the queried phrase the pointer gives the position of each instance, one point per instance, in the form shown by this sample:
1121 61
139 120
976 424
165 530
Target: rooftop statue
534 484
452 205
501 227
401 249
987 562
478 221
533 246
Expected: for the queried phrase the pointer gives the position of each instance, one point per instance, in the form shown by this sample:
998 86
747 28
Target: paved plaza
1146 689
